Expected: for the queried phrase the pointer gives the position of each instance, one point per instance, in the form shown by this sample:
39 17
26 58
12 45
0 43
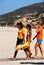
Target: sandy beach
8 37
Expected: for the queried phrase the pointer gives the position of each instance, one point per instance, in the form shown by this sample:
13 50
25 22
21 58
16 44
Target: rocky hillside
28 14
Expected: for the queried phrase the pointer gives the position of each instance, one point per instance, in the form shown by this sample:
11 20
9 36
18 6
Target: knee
40 46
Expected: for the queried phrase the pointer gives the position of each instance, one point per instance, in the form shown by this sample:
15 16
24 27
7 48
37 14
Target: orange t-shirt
40 33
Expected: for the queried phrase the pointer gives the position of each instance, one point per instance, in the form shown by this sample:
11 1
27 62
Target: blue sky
11 5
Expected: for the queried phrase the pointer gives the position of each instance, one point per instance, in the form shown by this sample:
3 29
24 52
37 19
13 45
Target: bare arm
29 36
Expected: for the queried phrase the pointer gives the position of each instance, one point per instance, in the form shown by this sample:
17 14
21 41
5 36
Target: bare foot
13 58
27 58
42 57
35 57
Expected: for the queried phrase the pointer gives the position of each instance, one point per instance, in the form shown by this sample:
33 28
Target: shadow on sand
35 63
30 61
10 59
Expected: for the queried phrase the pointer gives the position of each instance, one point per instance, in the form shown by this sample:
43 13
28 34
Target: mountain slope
35 10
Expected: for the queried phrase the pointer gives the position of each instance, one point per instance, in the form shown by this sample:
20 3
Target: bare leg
36 50
14 58
41 50
15 53
27 54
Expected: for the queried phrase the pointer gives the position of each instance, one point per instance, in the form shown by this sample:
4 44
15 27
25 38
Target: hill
31 12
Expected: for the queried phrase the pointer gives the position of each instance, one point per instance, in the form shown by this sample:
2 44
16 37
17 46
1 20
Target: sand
8 37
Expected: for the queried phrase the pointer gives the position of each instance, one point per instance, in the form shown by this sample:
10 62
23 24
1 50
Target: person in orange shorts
39 36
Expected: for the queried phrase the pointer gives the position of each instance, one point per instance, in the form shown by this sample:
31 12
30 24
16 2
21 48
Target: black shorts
19 41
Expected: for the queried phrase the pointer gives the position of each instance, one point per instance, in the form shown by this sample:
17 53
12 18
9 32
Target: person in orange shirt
39 36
